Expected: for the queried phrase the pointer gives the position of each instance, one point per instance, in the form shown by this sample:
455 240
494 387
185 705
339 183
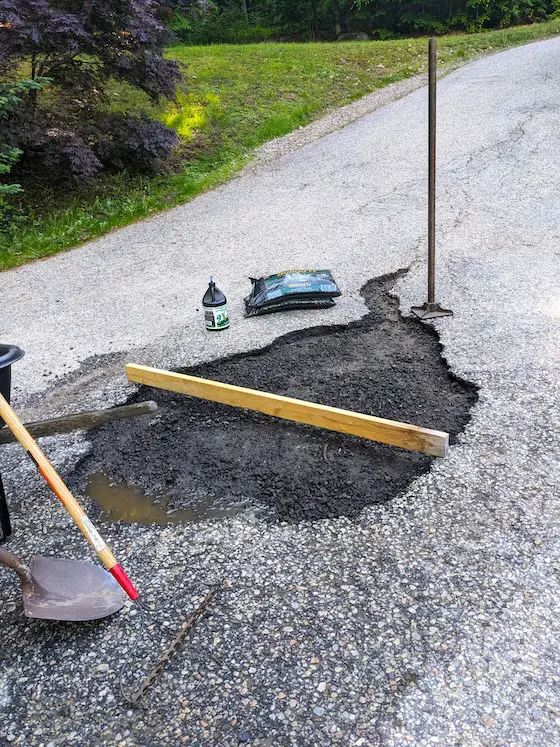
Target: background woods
204 22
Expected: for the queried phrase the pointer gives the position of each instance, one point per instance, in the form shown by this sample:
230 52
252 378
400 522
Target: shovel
66 498
73 590
70 590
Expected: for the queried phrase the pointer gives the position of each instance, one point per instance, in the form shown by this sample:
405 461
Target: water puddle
123 502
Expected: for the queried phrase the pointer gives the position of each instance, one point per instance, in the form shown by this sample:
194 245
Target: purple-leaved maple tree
71 131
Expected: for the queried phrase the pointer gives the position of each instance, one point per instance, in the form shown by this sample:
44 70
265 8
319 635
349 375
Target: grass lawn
233 99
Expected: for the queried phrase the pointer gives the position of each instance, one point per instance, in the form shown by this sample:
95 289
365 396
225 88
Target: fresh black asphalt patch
214 460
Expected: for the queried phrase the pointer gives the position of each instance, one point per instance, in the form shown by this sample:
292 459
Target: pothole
201 460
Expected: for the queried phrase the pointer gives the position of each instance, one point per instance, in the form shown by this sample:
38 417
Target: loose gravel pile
197 452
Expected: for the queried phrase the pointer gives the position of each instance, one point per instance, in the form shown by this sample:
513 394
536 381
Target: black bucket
8 354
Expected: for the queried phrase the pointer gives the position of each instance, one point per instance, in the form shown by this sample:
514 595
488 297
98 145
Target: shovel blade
70 590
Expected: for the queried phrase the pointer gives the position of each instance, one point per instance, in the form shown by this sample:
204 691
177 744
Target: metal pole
432 66
431 309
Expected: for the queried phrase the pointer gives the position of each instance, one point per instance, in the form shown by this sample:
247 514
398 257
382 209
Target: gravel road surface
432 619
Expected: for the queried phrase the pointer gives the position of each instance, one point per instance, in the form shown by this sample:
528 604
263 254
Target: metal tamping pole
432 88
431 309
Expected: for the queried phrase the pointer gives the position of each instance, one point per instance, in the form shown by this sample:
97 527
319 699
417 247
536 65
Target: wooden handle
65 496
81 421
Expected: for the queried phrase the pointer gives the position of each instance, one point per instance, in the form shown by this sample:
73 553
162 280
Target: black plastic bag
297 289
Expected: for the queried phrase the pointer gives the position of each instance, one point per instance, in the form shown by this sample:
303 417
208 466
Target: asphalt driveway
431 620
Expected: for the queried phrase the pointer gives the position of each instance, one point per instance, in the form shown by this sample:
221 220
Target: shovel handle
71 505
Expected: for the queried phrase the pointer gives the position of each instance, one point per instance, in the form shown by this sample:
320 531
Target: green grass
234 99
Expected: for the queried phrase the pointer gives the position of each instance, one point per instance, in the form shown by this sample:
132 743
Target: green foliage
479 14
11 95
237 97
225 25
8 156
224 21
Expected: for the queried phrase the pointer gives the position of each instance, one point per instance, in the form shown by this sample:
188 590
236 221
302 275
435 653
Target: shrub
80 45
134 143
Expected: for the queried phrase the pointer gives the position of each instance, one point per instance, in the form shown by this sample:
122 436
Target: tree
81 45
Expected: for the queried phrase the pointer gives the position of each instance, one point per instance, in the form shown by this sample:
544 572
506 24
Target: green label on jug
217 318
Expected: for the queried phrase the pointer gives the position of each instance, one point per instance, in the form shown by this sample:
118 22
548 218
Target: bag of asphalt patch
297 289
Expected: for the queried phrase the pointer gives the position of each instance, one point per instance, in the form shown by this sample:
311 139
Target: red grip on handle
124 581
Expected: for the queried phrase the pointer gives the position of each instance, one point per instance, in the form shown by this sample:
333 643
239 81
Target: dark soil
200 452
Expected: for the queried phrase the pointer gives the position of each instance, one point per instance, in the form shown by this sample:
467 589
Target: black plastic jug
214 302
8 354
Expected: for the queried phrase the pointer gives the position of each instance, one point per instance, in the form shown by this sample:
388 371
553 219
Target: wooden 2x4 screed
392 432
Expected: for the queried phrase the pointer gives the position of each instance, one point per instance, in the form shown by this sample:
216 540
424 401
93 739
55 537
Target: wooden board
80 421
391 432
